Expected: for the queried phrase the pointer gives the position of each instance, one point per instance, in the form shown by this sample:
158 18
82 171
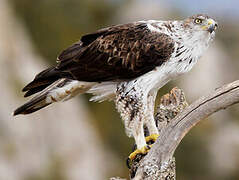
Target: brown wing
116 53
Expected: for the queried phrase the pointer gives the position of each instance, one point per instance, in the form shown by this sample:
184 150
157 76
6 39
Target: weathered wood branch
170 105
159 162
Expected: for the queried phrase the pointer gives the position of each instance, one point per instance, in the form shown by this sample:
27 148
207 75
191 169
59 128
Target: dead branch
159 162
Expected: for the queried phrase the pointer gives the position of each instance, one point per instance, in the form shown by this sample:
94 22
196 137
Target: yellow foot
152 138
133 155
143 150
149 140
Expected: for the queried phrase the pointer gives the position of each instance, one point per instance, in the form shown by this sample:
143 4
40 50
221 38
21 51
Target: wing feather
120 52
116 53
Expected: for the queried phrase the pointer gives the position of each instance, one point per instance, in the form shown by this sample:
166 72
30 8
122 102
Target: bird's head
199 31
201 26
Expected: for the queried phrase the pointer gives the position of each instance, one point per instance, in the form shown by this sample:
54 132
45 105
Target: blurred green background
210 151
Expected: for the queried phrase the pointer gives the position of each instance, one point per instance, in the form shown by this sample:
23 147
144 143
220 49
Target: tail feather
41 99
61 90
53 86
35 90
32 105
44 79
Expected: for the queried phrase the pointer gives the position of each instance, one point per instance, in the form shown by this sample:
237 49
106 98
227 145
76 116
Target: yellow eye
198 21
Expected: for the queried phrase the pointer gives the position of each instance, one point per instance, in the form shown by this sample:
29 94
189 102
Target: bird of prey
126 63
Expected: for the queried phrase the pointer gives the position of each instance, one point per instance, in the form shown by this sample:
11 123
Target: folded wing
117 53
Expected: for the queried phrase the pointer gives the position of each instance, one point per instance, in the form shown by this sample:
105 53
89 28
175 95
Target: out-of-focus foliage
55 24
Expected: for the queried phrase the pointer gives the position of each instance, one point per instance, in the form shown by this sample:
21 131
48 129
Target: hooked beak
211 25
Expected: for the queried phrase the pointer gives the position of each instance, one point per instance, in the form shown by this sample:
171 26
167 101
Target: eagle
128 64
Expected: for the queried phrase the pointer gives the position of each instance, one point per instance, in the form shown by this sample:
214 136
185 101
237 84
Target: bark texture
159 163
170 105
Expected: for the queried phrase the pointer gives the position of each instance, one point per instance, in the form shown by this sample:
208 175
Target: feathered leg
131 103
149 119
150 122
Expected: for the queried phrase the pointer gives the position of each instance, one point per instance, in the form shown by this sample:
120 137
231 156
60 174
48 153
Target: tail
61 90
43 80
33 105
50 87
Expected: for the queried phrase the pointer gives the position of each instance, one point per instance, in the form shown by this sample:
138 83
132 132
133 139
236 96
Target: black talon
128 163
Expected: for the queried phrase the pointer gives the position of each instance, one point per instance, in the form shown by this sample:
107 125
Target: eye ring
198 21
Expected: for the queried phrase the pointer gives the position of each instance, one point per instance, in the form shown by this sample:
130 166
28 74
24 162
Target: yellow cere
209 22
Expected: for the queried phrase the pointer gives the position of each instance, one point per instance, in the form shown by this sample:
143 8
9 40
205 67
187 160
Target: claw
149 140
143 150
133 155
152 137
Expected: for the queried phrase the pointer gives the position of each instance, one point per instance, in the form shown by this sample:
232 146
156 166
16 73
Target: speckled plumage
126 63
